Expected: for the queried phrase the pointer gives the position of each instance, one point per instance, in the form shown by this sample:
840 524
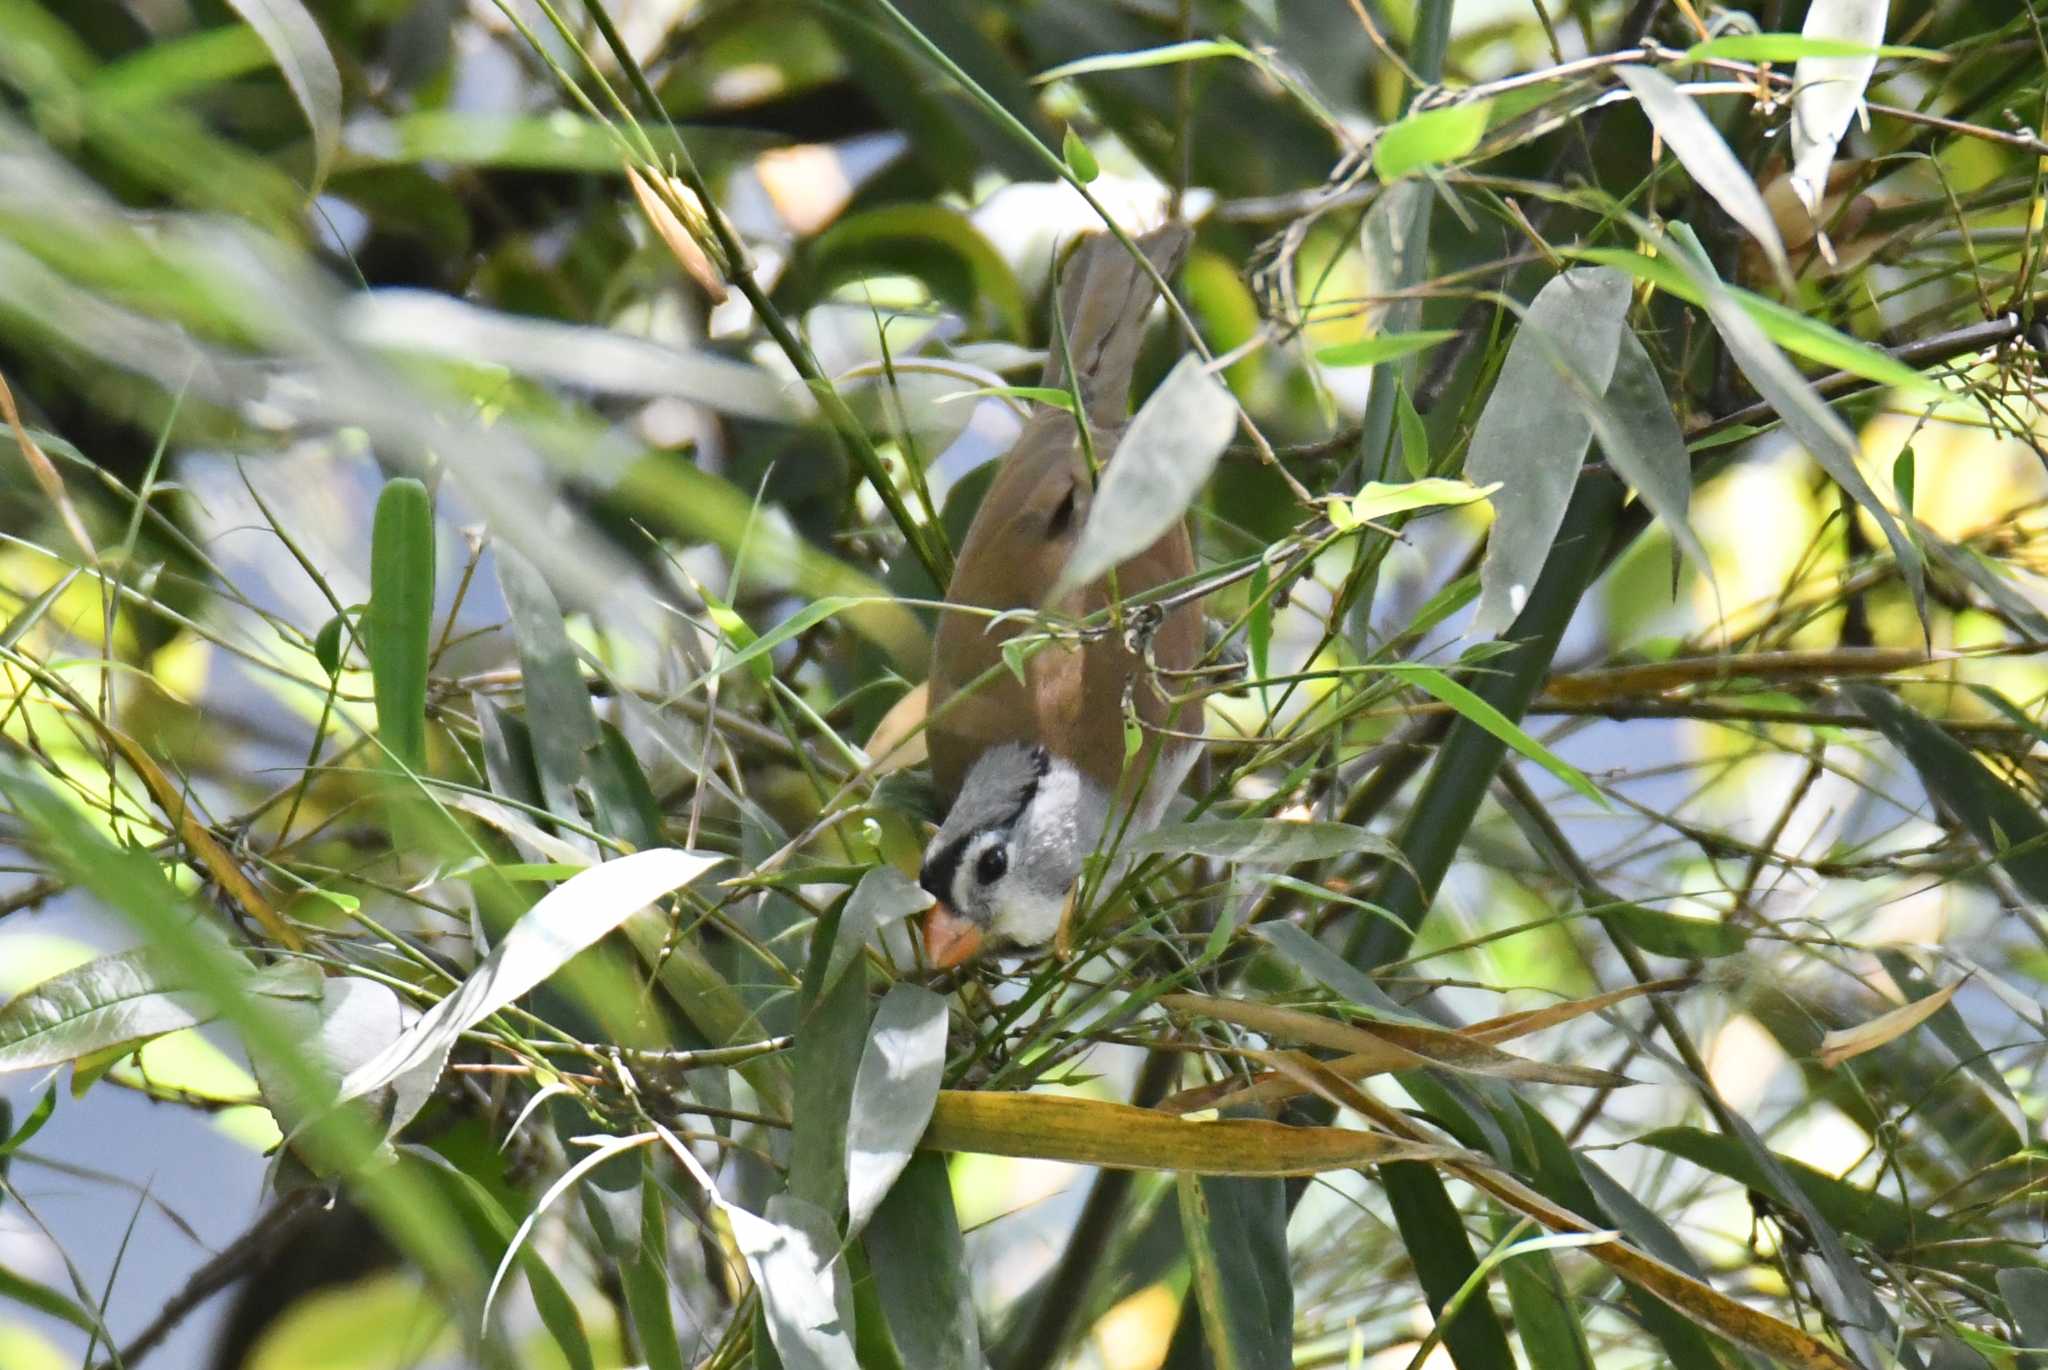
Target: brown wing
1070 698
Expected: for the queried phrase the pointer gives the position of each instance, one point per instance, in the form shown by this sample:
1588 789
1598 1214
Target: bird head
1004 864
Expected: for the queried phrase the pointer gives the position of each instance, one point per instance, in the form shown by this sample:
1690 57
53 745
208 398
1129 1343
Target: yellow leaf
1844 1043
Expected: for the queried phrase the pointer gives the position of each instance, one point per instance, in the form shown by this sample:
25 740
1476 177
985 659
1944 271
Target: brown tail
1105 297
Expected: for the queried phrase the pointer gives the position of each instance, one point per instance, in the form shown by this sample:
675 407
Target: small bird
1035 769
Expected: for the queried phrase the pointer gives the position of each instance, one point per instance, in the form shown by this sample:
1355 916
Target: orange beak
949 939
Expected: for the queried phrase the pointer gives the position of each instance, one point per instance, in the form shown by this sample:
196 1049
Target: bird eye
989 867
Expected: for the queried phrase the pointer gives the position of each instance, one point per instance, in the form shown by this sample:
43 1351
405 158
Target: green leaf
1258 630
1162 462
1824 436
399 620
568 919
1385 348
1886 1223
1902 479
1079 159
2026 1301
1699 147
793 1253
1484 715
1639 435
831 1035
1195 50
1236 1231
1429 138
1800 334
645 1278
1533 434
557 1310
559 717
1996 815
1671 934
1790 47
893 1095
28 1293
301 54
1056 396
113 1002
1434 1233
1377 499
921 1271
30 1126
1414 437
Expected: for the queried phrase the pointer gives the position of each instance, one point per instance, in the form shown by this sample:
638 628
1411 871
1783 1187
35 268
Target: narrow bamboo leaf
1120 1137
18 1137
2010 1126
608 361
557 1310
1161 464
1698 145
1377 499
1646 447
645 1278
1797 333
114 1001
119 1001
1434 1232
1672 934
1236 1231
1429 138
883 895
1078 158
1824 436
301 54
751 649
1262 841
793 1253
1385 348
1484 715
346 1022
1533 434
399 621
1546 1315
566 920
1339 976
830 1037
921 1269
1995 815
1886 1223
2026 1301
1847 1043
1196 50
893 1095
47 1301
1057 396
1791 47
1827 91
560 721
1258 632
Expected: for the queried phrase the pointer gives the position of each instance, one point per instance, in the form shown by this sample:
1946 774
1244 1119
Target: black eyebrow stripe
937 875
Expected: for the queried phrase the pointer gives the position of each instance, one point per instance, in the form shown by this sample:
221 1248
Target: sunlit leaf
398 624
1158 468
1429 138
1827 91
1696 143
1533 435
1385 348
1843 1044
569 918
893 1095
